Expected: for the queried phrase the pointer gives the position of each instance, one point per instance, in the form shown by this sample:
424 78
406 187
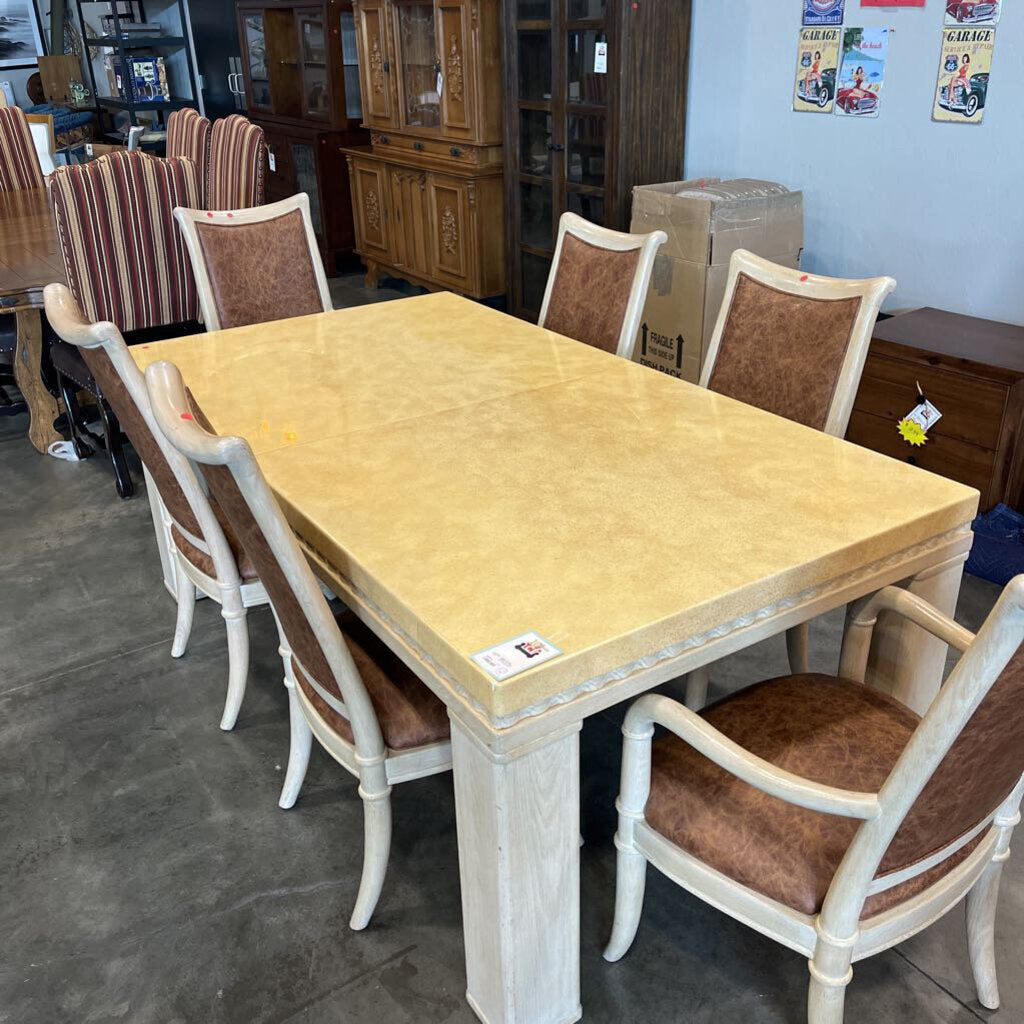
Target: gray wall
940 207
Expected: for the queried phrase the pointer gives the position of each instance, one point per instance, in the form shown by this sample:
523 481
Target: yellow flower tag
911 432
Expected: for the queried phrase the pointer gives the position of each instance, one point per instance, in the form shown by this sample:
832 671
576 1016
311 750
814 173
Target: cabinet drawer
439 149
972 409
966 463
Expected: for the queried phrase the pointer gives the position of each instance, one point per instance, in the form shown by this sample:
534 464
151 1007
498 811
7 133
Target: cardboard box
705 226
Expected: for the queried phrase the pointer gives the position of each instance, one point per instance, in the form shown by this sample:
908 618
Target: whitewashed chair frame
45 141
187 220
376 766
872 292
227 588
836 937
616 241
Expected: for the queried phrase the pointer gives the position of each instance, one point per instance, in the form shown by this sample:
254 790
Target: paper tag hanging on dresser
272 161
915 425
601 57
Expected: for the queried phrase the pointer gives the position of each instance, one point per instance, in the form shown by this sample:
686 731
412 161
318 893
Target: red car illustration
857 101
971 10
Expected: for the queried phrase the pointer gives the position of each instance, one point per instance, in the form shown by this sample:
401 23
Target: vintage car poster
973 12
823 12
964 65
817 63
862 71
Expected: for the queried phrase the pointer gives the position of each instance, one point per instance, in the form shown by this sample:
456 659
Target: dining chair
188 136
19 165
238 157
125 262
257 265
44 140
793 344
598 284
827 815
208 555
369 711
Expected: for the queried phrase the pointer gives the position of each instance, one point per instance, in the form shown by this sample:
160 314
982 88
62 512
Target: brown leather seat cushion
202 561
409 713
831 731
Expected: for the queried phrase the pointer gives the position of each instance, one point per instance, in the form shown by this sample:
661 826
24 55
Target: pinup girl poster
964 65
817 63
862 72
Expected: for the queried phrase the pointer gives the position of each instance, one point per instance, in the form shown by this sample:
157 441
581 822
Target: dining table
30 260
542 530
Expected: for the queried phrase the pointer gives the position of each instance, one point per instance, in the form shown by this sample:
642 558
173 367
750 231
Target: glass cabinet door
350 66
316 85
418 65
256 56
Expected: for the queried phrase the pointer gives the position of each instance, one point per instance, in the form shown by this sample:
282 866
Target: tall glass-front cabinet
427 193
595 94
301 69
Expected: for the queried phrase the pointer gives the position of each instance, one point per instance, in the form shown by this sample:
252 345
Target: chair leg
238 664
376 849
186 610
798 646
69 393
115 449
697 687
298 754
630 882
981 921
830 974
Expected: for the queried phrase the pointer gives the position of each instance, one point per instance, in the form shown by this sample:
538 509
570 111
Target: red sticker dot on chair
230 215
210 214
187 416
804 278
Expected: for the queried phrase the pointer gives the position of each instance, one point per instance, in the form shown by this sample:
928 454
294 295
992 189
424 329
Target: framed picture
21 37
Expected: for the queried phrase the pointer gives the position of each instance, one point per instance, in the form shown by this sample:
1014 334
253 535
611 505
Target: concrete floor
149 877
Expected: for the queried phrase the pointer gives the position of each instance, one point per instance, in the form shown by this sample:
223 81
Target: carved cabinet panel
371 204
376 64
450 226
457 95
408 196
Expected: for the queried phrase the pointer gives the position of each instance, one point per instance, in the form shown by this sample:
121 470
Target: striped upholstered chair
238 157
126 263
188 136
19 165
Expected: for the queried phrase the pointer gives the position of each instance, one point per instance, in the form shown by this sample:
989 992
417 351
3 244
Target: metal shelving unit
126 45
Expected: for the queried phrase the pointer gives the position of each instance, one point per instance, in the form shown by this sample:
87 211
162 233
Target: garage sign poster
964 66
862 71
817 63
823 12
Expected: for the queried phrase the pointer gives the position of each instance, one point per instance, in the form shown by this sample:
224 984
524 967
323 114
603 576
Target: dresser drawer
972 409
439 149
966 463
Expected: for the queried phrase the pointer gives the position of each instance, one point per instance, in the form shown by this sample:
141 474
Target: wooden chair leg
115 449
298 753
982 901
697 687
238 664
798 647
376 850
186 609
69 393
630 882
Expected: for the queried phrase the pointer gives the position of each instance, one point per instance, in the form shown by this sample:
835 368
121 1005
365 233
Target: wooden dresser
427 194
973 371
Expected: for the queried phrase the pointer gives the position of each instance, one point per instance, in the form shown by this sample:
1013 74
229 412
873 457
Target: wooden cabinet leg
43 408
518 823
905 660
372 274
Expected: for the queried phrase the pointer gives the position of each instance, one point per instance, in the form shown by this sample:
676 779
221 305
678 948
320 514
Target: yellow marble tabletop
471 477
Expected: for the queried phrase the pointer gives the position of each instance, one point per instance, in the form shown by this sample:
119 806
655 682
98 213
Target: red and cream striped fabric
188 136
238 155
19 165
125 258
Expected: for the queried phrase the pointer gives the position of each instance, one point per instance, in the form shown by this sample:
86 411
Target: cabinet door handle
417 145
384 140
387 67
455 151
556 147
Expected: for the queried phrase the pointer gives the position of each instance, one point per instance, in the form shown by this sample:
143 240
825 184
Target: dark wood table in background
29 261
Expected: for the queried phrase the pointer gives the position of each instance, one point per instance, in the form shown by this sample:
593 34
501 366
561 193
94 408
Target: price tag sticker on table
514 656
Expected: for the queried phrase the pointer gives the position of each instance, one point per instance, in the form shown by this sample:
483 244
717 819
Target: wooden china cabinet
595 94
301 70
427 193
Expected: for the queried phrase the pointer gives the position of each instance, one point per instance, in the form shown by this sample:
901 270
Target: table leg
42 406
905 660
518 823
